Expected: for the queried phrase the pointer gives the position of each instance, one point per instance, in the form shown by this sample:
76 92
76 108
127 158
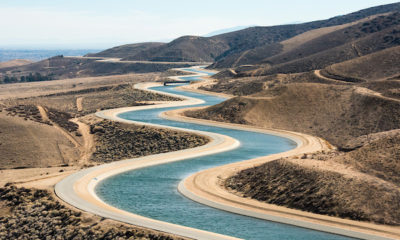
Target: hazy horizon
101 24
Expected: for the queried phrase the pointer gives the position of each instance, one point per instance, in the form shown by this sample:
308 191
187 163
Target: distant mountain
14 63
60 67
36 55
226 30
272 40
187 48
344 44
248 46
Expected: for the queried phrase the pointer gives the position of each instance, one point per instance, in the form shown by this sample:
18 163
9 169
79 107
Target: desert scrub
117 141
290 185
30 112
35 214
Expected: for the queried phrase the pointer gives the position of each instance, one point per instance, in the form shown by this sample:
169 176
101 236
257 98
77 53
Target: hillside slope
348 43
187 48
249 45
377 66
125 50
14 63
262 37
336 113
60 67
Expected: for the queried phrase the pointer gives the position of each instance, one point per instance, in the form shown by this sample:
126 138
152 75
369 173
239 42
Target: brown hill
187 48
348 43
14 63
377 66
266 41
125 50
245 46
259 54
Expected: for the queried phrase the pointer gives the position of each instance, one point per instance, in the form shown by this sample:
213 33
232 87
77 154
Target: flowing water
152 191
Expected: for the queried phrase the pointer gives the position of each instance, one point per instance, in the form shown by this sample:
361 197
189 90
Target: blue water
152 192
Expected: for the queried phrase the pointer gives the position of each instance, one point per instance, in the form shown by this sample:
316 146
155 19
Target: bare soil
25 143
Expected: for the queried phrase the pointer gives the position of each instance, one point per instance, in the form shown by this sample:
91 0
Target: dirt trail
356 51
359 90
319 75
79 104
346 171
43 113
88 142
45 117
86 149
240 58
366 91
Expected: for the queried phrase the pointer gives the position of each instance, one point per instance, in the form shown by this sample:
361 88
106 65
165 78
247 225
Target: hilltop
248 46
125 50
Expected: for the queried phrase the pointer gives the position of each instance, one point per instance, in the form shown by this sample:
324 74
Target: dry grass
377 66
24 143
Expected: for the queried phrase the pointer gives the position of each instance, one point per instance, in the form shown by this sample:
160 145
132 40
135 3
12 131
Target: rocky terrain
116 141
36 214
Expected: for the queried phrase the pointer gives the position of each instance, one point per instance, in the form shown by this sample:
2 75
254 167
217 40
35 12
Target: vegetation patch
116 141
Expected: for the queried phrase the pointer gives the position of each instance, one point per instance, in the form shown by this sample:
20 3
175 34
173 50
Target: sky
100 24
